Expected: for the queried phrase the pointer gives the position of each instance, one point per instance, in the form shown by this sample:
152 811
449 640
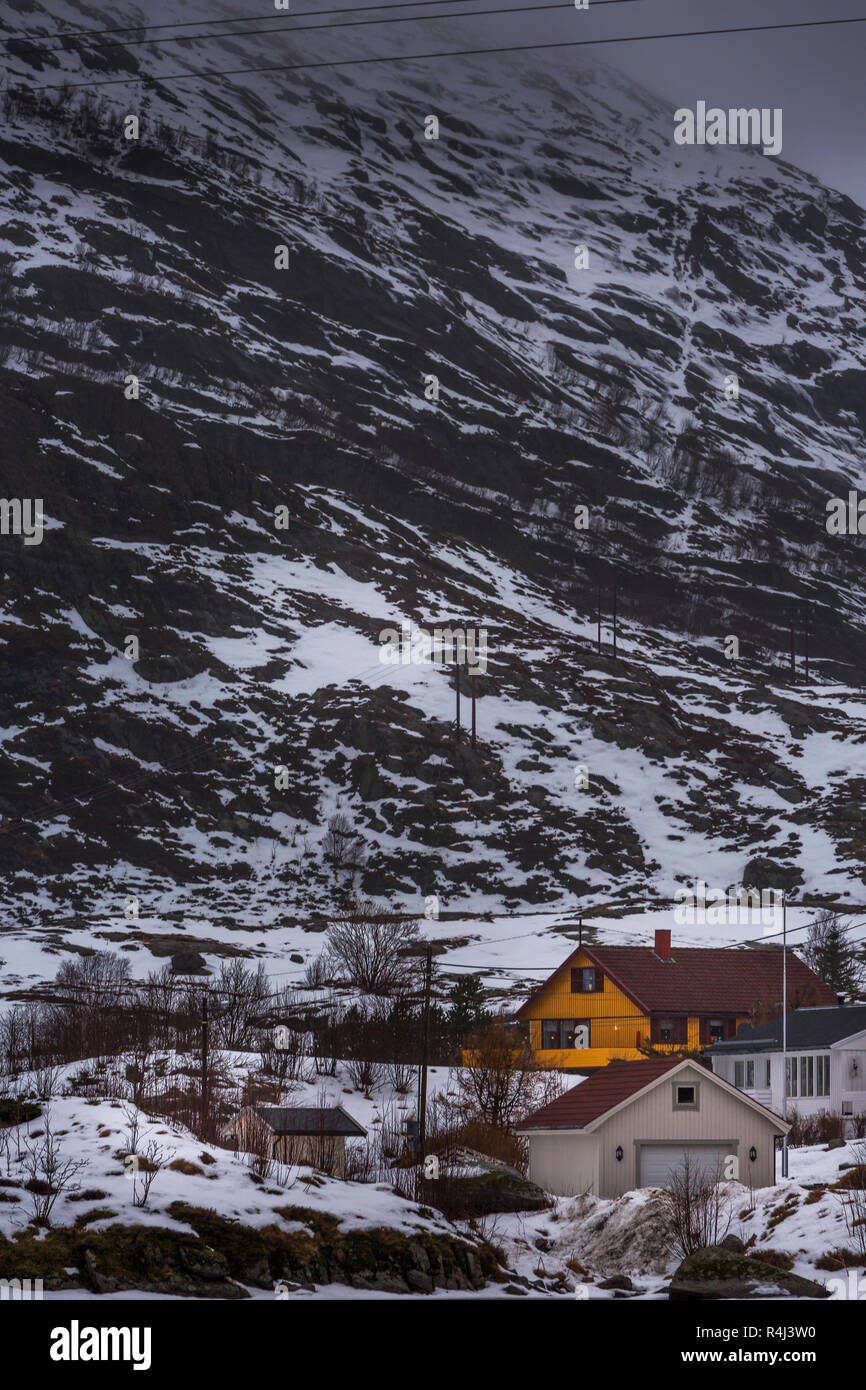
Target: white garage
633 1124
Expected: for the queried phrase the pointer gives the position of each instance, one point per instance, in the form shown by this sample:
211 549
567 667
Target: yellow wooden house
606 1002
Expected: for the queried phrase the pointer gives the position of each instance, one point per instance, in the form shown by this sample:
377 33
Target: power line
300 28
207 73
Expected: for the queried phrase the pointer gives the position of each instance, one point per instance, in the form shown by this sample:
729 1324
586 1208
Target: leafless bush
817 1128
695 1209
364 1074
500 1084
240 997
401 1075
318 972
48 1173
370 946
342 846
853 1199
145 1169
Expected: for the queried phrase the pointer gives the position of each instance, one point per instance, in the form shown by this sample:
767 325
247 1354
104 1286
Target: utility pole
473 712
457 688
425 1055
806 640
204 1032
784 1032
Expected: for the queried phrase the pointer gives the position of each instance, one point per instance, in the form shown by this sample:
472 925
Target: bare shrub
853 1200
817 1128
695 1209
499 1085
364 1074
370 946
342 846
401 1076
48 1173
240 997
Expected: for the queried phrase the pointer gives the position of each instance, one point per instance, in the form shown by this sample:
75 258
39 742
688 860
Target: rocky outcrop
217 1257
716 1272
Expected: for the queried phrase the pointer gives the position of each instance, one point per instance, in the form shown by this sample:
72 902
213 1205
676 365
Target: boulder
734 1244
500 1189
716 1272
187 962
617 1281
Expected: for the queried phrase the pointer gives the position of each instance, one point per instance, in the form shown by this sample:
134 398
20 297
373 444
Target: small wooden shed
303 1134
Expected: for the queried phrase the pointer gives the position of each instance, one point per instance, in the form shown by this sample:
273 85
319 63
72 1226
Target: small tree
342 846
829 953
371 947
466 1012
499 1083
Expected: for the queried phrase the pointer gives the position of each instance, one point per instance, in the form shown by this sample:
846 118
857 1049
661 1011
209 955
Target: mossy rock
500 1190
714 1273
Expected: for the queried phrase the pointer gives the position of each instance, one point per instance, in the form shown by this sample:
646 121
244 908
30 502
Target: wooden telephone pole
425 1055
473 712
204 1060
457 689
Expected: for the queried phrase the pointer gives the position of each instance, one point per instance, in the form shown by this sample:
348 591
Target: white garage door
659 1161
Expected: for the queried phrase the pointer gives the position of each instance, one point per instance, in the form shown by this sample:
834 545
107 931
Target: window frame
694 1087
578 979
562 1025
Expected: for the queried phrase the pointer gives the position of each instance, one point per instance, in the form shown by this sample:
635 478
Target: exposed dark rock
715 1273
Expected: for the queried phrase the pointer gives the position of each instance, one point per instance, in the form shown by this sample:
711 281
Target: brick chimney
663 944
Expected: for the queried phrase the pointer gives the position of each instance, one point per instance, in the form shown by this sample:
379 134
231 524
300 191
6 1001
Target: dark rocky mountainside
165 387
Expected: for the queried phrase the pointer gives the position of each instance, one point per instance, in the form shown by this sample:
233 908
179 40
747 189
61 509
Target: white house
826 1061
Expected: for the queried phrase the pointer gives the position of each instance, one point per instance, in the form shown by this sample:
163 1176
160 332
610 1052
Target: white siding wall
720 1118
572 1162
848 1078
565 1164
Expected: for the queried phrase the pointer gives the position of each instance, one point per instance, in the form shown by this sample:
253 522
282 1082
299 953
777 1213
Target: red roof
700 979
598 1094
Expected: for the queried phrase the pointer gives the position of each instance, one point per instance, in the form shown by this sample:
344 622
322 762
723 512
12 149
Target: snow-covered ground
513 953
565 1251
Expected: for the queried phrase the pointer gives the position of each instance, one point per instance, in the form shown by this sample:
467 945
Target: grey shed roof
311 1119
806 1028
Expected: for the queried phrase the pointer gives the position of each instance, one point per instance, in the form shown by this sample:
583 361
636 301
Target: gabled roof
612 1087
805 1028
599 1093
311 1119
697 979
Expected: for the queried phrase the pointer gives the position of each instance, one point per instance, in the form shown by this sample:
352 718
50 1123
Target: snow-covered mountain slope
304 388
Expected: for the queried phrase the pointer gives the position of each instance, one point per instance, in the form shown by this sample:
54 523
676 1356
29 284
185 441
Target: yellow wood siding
615 1022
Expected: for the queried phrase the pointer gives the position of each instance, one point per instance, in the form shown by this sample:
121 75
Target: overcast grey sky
815 75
